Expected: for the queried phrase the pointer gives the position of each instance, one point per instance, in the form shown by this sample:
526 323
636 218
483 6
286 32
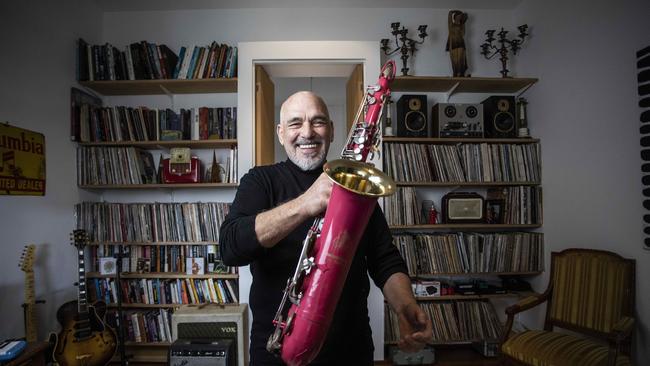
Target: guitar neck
83 298
30 302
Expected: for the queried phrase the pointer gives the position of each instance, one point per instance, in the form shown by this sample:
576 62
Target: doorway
339 84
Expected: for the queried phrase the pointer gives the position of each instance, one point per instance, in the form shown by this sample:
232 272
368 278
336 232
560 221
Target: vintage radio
500 116
412 118
201 352
181 167
463 207
457 120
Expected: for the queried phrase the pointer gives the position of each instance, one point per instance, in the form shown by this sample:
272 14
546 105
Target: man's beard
308 163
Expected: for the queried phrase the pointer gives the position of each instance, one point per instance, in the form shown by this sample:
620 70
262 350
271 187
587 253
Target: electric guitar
84 340
26 265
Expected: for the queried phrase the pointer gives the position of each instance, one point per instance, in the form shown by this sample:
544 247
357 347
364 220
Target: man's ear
279 131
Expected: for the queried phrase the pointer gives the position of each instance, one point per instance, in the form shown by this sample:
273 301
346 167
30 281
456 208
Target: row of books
429 254
452 321
144 326
119 123
189 259
146 60
151 222
522 204
516 205
115 165
165 291
463 162
110 165
402 207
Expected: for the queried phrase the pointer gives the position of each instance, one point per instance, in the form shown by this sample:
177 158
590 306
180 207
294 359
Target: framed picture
494 211
143 265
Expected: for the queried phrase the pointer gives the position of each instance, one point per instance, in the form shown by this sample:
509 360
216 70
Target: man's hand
315 199
415 328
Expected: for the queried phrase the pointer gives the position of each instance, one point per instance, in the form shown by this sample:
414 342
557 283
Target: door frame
253 53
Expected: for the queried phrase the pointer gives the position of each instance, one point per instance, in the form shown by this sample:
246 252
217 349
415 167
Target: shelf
127 275
445 84
147 344
162 86
464 226
475 274
464 184
437 140
160 145
161 306
153 243
465 297
162 186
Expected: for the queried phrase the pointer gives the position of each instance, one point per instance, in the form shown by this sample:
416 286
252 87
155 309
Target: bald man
274 207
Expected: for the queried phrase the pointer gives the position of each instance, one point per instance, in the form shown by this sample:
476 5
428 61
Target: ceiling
148 5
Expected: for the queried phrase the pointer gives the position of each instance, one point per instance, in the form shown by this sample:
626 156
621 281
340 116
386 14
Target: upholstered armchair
591 294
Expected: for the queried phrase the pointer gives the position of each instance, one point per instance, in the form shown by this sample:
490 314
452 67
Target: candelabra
489 50
408 44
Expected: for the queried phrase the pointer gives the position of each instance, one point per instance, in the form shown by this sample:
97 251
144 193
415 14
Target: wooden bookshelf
130 275
465 297
162 145
464 184
456 140
464 226
160 186
446 84
474 274
162 86
153 243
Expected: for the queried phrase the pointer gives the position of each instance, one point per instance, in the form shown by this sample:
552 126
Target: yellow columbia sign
22 161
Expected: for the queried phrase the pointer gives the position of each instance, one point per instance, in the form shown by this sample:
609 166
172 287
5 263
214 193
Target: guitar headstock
26 262
79 238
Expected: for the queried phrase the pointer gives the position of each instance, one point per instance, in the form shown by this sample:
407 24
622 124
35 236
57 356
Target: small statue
456 43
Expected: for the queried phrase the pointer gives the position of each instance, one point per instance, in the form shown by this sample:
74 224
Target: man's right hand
314 200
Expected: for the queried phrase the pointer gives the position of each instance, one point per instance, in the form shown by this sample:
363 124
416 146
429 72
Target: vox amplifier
186 352
457 120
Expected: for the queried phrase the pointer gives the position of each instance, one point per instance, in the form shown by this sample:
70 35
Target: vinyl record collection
128 165
471 252
522 205
151 222
454 321
463 162
165 291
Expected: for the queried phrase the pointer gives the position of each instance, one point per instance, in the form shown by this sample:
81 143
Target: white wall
585 110
36 73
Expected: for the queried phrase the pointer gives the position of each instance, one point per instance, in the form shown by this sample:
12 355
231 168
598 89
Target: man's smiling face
305 130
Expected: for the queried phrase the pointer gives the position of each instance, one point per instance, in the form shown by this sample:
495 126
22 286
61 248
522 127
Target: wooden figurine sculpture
456 43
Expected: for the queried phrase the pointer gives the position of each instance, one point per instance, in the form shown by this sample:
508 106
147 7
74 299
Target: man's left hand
415 328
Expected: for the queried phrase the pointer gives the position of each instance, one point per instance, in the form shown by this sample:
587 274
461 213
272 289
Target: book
195 265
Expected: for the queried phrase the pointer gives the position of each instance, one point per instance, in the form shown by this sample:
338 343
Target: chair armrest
522 305
526 303
622 329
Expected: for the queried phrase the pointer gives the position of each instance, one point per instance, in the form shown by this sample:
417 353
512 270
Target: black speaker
412 118
500 117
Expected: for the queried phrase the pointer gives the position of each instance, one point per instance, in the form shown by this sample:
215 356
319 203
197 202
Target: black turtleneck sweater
264 188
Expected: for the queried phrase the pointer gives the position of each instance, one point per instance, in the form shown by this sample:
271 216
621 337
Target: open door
354 93
264 118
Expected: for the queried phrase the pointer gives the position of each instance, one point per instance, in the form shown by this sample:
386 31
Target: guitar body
84 341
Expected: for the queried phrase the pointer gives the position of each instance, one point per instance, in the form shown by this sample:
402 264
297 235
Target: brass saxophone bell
360 178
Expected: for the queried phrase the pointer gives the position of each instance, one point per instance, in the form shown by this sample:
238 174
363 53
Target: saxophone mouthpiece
388 71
